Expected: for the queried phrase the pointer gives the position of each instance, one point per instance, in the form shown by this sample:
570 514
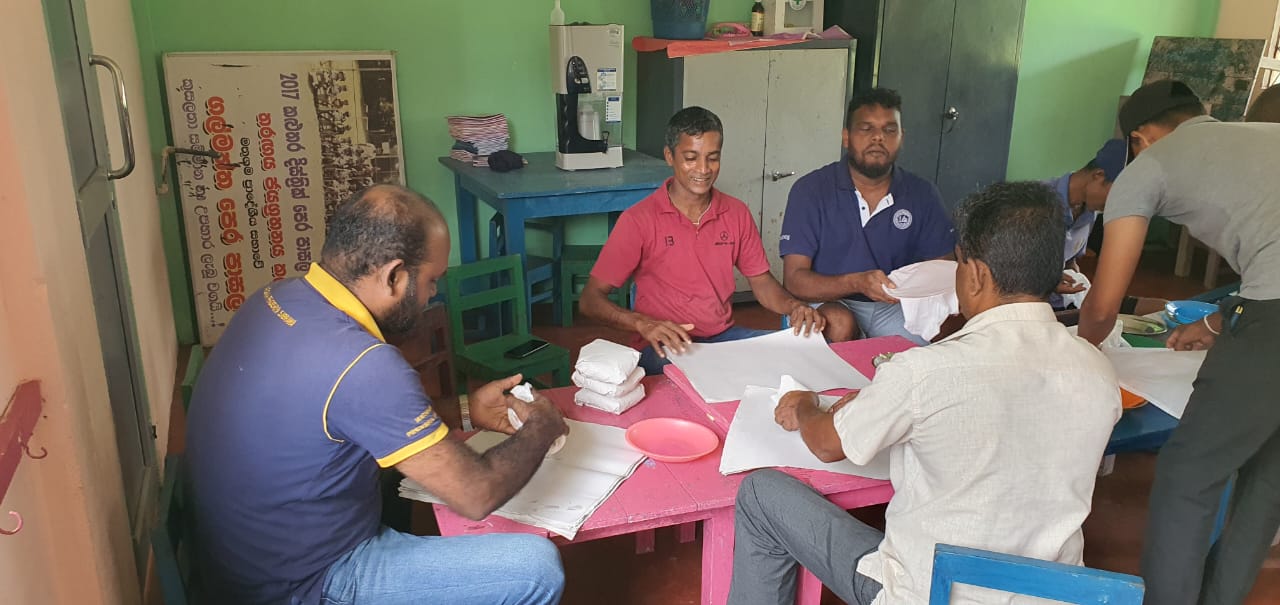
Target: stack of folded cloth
609 374
477 137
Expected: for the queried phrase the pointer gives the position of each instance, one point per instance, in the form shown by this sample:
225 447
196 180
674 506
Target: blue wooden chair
170 540
1031 577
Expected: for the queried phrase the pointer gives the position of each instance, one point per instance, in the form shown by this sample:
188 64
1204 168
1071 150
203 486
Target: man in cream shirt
994 434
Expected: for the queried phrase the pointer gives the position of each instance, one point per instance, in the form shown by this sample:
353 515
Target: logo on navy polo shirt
902 218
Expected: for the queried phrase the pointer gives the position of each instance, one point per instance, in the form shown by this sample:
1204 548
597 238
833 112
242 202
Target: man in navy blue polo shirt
852 222
301 404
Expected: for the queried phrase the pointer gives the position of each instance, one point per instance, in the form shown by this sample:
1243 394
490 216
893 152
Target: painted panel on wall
1221 72
297 134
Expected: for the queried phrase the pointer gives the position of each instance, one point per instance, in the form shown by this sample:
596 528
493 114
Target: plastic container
1181 312
679 19
672 439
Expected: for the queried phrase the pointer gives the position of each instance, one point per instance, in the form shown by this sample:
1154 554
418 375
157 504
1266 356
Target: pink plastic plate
672 439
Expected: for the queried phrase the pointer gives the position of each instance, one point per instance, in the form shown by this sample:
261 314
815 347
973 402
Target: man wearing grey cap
1217 179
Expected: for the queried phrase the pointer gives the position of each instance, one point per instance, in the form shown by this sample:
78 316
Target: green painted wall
473 57
1078 58
485 56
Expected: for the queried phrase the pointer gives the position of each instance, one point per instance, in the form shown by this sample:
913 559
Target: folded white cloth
524 392
927 293
786 385
607 361
609 389
614 405
1076 299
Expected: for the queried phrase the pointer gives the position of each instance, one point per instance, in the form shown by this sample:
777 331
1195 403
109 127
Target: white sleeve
883 414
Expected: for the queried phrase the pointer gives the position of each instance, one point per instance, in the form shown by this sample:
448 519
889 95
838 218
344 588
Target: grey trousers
779 522
1232 425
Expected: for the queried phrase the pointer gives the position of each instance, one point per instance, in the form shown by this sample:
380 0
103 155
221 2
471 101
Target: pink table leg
717 556
645 541
687 532
810 590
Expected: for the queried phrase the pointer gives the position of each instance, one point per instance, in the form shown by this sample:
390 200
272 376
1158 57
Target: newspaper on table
756 441
1162 376
569 486
720 371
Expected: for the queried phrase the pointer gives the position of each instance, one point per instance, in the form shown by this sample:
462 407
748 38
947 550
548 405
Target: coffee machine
586 74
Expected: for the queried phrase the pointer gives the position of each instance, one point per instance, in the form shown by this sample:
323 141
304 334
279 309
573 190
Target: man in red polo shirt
681 245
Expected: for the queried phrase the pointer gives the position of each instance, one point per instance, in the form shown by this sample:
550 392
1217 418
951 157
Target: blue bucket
1180 312
679 19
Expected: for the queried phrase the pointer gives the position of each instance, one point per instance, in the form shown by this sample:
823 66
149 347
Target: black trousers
1231 426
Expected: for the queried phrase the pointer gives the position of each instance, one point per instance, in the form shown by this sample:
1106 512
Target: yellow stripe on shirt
414 448
324 417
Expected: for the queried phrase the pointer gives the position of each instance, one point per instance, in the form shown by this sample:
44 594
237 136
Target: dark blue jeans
653 364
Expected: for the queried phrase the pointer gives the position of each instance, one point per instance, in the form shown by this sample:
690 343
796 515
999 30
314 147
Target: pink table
659 494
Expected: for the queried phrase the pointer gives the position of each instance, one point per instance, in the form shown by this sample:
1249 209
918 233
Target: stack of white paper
569 486
720 371
756 441
1162 376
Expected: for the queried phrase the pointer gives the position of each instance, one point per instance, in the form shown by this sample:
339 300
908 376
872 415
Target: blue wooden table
541 190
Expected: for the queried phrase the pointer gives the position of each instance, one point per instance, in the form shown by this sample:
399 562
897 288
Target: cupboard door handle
778 176
122 109
952 115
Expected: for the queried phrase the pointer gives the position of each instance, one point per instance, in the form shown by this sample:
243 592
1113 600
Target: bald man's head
379 225
1265 108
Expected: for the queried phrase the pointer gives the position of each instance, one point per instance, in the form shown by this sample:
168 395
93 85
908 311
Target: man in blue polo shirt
852 222
1083 194
303 401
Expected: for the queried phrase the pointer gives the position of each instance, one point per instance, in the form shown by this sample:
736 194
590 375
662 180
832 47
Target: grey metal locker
956 65
782 110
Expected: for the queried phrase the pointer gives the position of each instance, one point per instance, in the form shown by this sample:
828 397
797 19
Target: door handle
952 115
778 176
122 110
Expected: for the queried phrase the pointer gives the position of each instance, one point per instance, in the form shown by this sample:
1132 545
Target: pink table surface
663 494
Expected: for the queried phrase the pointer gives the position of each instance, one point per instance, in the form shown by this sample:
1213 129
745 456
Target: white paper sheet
1162 376
569 486
756 441
720 371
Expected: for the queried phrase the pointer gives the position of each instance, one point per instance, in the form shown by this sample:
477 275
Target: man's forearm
601 309
818 429
509 465
1095 323
771 295
808 285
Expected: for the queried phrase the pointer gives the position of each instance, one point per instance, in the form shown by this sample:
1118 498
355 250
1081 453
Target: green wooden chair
575 267
497 283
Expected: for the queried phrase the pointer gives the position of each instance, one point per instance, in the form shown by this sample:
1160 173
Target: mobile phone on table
526 349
